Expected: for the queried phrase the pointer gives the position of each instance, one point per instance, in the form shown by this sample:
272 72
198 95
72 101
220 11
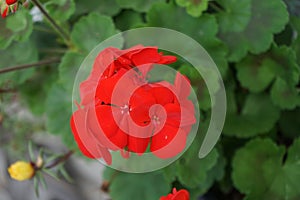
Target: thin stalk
25 66
215 7
61 159
52 21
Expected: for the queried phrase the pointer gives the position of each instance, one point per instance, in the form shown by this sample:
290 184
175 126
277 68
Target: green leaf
193 7
138 5
90 30
65 174
58 112
261 171
202 29
36 186
51 173
191 170
235 16
257 116
128 19
170 172
215 173
267 18
285 96
37 87
295 23
256 73
15 55
42 180
17 27
68 68
148 186
105 7
60 10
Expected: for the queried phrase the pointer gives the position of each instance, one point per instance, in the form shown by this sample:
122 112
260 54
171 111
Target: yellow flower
21 170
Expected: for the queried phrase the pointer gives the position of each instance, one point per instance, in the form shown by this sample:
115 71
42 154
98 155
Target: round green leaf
261 171
105 7
248 166
194 8
90 30
58 112
285 96
138 5
60 10
148 186
68 68
191 170
256 73
202 29
16 27
235 16
267 18
257 116
128 19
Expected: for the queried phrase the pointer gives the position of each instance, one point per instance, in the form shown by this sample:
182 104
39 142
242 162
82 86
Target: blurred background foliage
256 46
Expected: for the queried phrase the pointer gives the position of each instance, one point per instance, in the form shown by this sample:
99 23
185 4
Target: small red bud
4 14
10 2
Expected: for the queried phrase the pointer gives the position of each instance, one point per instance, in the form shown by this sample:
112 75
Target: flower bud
21 170
10 2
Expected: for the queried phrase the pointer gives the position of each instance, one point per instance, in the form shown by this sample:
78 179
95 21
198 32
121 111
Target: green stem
215 7
53 50
61 159
52 22
25 66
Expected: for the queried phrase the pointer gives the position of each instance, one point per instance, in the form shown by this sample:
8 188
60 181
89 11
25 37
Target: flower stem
52 22
61 159
215 7
25 66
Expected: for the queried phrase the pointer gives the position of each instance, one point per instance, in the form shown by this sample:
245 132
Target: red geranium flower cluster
177 195
121 110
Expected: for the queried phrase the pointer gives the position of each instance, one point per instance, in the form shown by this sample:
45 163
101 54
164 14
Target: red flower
177 195
10 2
119 110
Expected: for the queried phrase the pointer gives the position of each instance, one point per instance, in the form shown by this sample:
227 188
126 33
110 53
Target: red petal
162 95
111 129
173 114
168 197
85 140
138 145
169 142
82 147
188 113
105 87
120 139
167 60
181 195
145 56
105 154
183 86
140 103
103 61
